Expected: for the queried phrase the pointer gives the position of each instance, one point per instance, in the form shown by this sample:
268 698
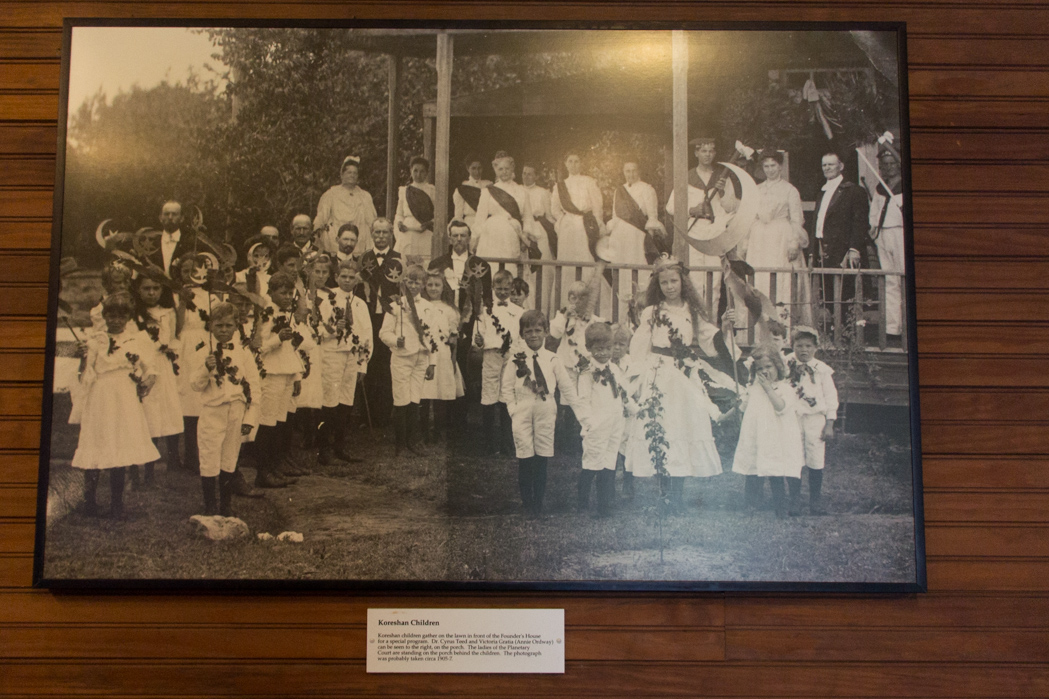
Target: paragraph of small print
466 640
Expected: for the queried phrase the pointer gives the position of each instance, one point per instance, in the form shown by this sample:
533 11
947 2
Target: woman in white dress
466 196
778 235
671 435
505 226
577 204
413 220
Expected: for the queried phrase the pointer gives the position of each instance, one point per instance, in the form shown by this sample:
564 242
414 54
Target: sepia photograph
482 307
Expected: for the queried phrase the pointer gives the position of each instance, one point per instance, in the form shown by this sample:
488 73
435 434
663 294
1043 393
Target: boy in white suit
604 390
226 374
527 389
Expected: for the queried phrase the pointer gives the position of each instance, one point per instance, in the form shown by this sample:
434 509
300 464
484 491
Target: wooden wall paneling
979 93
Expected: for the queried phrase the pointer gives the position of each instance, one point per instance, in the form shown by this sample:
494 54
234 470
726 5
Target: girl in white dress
671 434
778 234
317 269
116 376
443 322
770 439
163 406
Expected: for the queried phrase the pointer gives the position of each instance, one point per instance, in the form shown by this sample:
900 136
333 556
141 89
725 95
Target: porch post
441 141
393 127
679 52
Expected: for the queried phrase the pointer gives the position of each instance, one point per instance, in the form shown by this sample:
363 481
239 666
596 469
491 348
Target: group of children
224 368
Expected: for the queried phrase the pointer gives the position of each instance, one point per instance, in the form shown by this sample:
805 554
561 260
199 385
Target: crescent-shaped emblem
728 230
100 236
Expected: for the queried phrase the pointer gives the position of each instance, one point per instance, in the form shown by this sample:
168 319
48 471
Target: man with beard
378 265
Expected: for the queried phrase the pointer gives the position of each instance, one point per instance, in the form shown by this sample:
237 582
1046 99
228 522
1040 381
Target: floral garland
582 362
191 305
682 353
524 372
346 334
503 333
172 356
224 369
651 413
796 373
429 336
140 386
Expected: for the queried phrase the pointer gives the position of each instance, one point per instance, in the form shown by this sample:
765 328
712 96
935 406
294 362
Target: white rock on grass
293 537
264 536
219 528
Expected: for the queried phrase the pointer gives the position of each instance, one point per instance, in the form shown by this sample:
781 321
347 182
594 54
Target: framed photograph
482 306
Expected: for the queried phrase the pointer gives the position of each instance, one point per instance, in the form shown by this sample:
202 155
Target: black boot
116 493
779 496
538 483
794 501
207 487
400 429
326 436
226 494
525 478
267 452
192 460
343 415
816 492
752 490
90 506
606 490
412 438
677 493
172 455
586 479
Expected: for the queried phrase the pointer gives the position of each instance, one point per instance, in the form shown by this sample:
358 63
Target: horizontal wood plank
830 645
977 50
328 642
26 139
29 44
929 610
960 472
268 679
613 611
977 113
19 467
988 574
16 571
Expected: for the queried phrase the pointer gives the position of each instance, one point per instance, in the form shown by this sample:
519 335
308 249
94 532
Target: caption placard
466 640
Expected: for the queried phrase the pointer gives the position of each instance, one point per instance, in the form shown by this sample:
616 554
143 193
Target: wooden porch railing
817 296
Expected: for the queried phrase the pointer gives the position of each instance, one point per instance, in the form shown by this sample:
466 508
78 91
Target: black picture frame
905 419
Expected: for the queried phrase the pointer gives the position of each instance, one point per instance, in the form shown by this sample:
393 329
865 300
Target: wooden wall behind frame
979 80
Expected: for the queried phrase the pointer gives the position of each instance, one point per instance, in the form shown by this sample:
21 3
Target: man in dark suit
173 243
455 266
839 229
376 266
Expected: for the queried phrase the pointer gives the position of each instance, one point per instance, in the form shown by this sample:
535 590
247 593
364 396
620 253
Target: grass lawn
455 515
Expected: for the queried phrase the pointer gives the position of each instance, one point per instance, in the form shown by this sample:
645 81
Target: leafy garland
224 369
172 356
429 336
681 352
524 372
651 413
503 333
140 386
582 362
796 374
283 322
191 305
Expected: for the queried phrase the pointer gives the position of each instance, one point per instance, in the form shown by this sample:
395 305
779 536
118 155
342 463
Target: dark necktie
503 303
540 380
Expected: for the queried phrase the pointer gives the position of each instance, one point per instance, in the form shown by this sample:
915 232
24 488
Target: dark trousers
377 383
531 479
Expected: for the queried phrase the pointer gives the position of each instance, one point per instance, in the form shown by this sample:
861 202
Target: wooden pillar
428 126
393 127
679 52
442 141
